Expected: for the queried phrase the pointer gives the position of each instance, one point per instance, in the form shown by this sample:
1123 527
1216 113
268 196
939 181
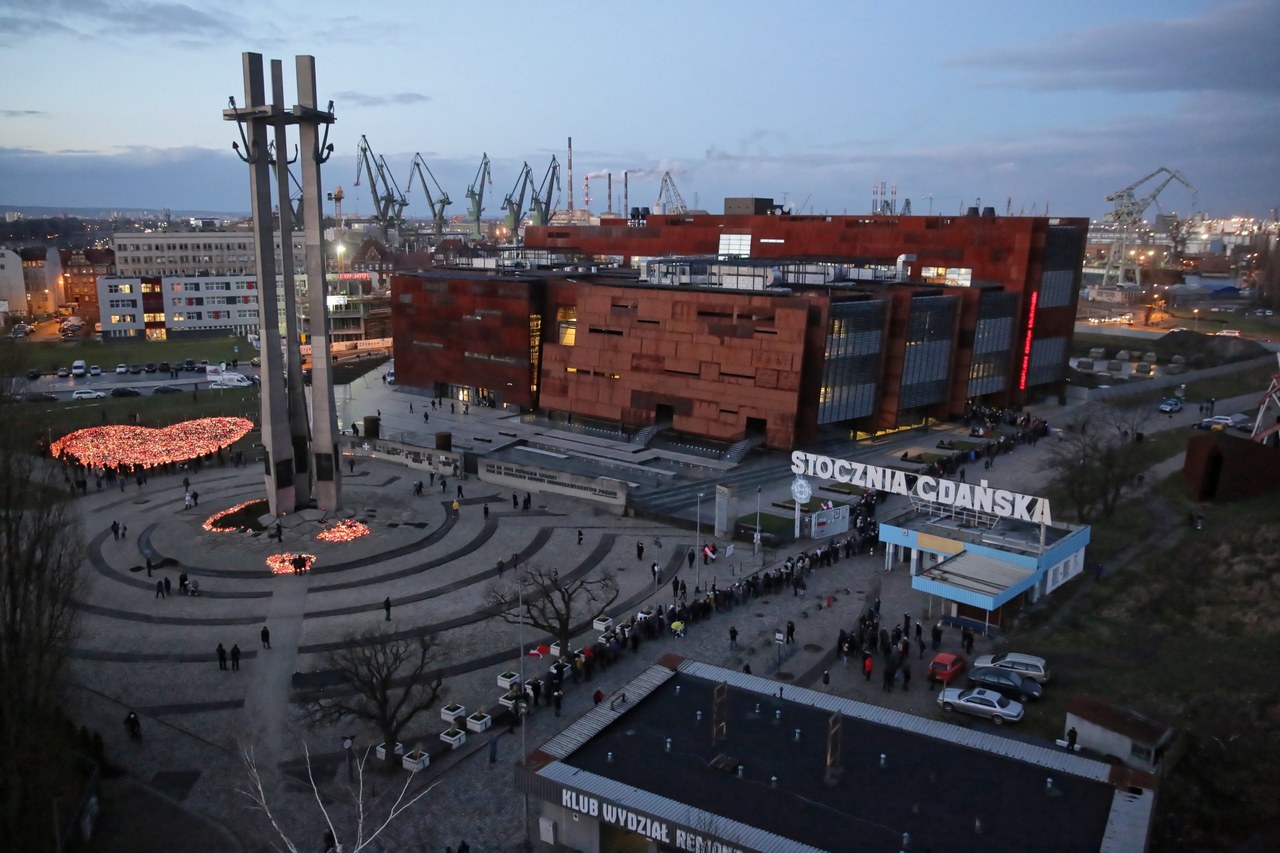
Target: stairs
644 436
740 449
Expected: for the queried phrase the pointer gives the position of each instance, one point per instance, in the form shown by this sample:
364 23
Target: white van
78 368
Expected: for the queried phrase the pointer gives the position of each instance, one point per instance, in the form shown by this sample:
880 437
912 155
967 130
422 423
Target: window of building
738 245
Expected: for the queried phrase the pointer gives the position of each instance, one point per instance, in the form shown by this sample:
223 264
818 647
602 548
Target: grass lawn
777 525
55 354
1189 636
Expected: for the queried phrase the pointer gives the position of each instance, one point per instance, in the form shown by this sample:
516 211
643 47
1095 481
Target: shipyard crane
437 203
1128 215
540 214
513 204
388 202
475 193
669 198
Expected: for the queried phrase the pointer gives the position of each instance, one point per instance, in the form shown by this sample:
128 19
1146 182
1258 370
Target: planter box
454 737
381 751
415 761
510 698
508 680
602 623
555 650
479 722
452 713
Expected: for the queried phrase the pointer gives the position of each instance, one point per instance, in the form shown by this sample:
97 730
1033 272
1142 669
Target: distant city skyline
117 104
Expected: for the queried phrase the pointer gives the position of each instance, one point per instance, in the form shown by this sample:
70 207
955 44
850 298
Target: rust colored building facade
734 327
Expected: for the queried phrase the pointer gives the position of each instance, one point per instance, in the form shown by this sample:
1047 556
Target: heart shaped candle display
124 446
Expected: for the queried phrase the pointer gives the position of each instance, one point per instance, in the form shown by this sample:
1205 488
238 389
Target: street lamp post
697 540
1196 313
759 543
524 738
347 743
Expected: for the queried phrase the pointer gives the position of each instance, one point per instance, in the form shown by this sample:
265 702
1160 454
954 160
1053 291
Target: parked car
1006 682
981 703
122 369
125 392
94 370
33 374
256 361
1171 405
189 365
40 397
945 666
1215 422
87 394
135 369
1028 666
1242 422
164 367
64 372
150 367
166 389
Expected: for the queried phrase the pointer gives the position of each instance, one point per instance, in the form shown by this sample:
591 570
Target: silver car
1028 666
981 702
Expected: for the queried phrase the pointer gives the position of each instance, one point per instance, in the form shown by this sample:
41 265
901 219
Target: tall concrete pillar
299 427
254 119
326 467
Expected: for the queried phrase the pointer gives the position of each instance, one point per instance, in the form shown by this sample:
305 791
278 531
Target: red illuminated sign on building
1026 349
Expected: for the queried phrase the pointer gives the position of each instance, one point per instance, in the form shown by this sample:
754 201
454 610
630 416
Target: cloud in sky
1023 103
366 99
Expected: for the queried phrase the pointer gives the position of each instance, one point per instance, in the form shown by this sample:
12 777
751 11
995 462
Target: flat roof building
753 328
694 757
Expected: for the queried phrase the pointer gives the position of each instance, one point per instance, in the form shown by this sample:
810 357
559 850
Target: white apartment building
134 307
191 253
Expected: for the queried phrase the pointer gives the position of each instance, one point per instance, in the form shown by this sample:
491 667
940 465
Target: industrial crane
514 205
541 202
422 171
1128 215
389 203
475 192
669 198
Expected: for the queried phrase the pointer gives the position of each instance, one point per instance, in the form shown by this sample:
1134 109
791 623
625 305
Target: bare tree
362 834
40 555
1094 463
390 680
541 598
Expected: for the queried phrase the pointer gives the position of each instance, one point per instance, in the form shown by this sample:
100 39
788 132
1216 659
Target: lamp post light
758 542
347 742
1196 313
697 539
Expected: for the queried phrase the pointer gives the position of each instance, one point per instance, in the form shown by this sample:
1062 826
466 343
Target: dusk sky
118 104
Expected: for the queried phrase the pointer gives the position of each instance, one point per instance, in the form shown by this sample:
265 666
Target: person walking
235 657
168 586
159 589
906 674
222 657
556 698
266 637
791 632
639 550
1071 739
115 530
133 726
386 605
733 637
826 679
579 537
937 636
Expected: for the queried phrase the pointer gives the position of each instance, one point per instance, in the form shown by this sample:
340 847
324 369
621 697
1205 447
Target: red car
945 666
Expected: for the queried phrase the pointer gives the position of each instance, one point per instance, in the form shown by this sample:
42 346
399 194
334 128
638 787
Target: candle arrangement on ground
344 531
127 447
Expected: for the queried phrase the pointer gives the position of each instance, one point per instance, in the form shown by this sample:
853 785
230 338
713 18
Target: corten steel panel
686 369
445 318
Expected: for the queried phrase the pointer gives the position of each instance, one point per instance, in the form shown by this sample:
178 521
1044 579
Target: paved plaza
156 655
